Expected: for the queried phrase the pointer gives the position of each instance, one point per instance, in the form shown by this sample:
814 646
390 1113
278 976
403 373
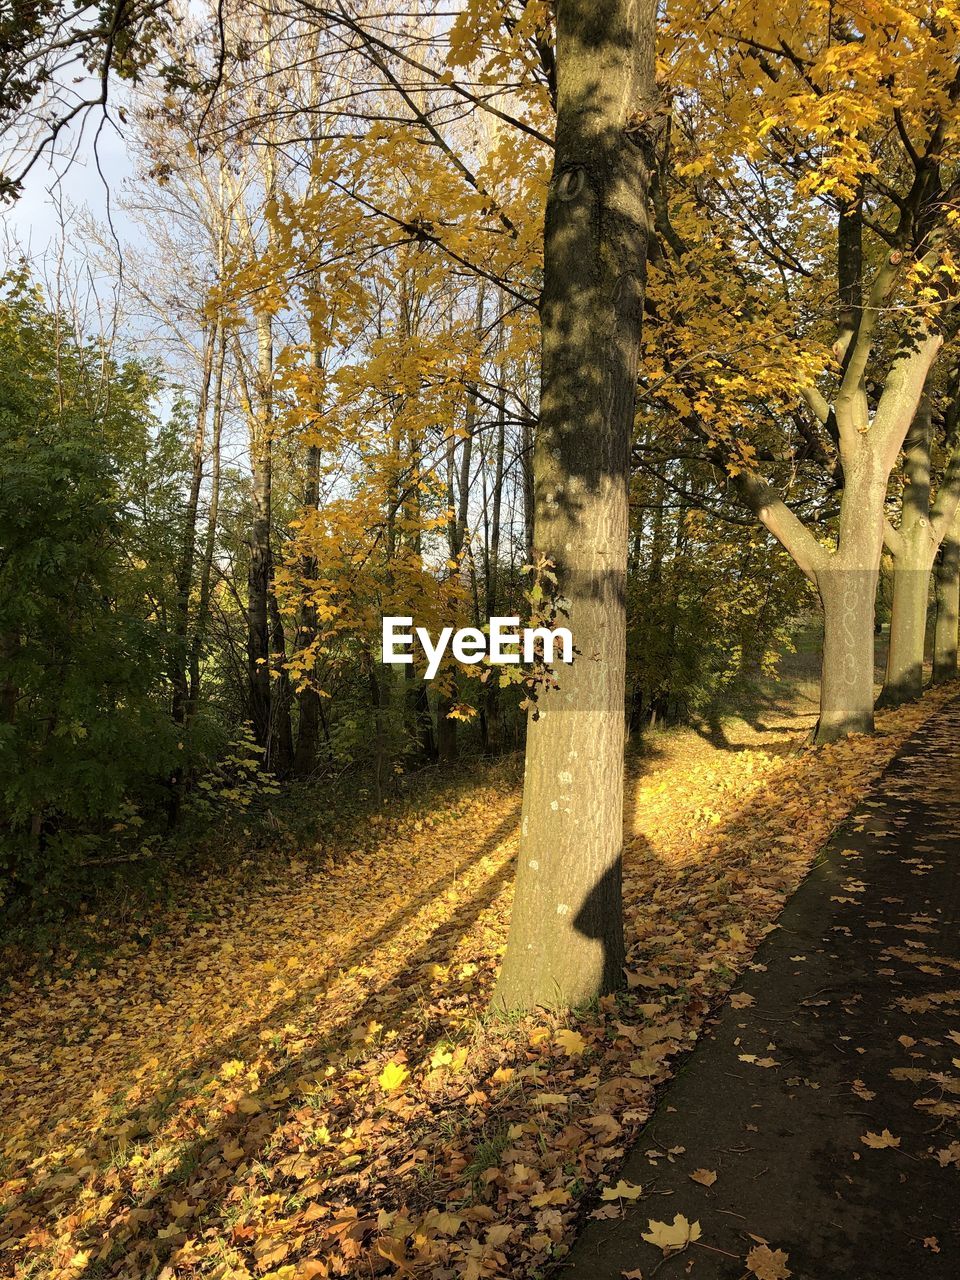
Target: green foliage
233 783
82 728
708 615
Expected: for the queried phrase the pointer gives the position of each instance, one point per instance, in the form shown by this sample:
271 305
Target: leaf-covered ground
291 1074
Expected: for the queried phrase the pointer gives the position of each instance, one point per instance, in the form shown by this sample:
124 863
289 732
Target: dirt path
824 1104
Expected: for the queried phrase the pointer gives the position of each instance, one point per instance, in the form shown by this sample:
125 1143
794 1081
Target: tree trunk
379 727
210 540
908 624
280 759
180 657
258 582
308 726
848 597
9 693
566 937
446 730
185 569
494 731
914 551
948 609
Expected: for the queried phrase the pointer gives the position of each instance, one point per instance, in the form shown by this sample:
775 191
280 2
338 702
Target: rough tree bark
566 937
914 547
846 579
947 586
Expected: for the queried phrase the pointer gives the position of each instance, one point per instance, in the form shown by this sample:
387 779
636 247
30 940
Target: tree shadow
154 1108
253 1133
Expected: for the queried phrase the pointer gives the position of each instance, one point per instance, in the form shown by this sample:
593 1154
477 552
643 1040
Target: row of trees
388 389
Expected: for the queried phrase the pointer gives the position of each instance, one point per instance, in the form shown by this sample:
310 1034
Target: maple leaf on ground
392 1077
671 1237
706 1177
878 1140
622 1191
768 1264
571 1042
559 1195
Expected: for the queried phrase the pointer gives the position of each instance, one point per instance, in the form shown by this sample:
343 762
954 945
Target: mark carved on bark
571 182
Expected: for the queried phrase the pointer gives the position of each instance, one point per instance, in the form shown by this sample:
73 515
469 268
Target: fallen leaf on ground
768 1264
393 1076
877 1140
671 1237
622 1191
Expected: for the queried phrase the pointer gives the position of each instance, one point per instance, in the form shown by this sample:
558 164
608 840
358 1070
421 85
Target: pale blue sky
65 184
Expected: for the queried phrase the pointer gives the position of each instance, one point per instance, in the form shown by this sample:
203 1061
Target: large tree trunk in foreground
848 597
948 609
566 936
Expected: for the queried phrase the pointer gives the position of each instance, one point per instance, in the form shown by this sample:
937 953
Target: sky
53 191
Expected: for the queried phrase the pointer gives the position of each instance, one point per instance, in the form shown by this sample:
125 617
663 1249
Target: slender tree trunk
308 726
566 936
379 727
527 438
258 582
180 664
948 609
458 486
281 697
9 693
494 735
210 540
185 570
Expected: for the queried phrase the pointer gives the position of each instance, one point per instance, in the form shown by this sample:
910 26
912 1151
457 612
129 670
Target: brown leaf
878 1140
768 1264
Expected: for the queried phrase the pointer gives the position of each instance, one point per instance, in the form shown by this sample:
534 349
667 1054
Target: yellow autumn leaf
559 1195
671 1237
571 1042
622 1191
393 1077
878 1140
